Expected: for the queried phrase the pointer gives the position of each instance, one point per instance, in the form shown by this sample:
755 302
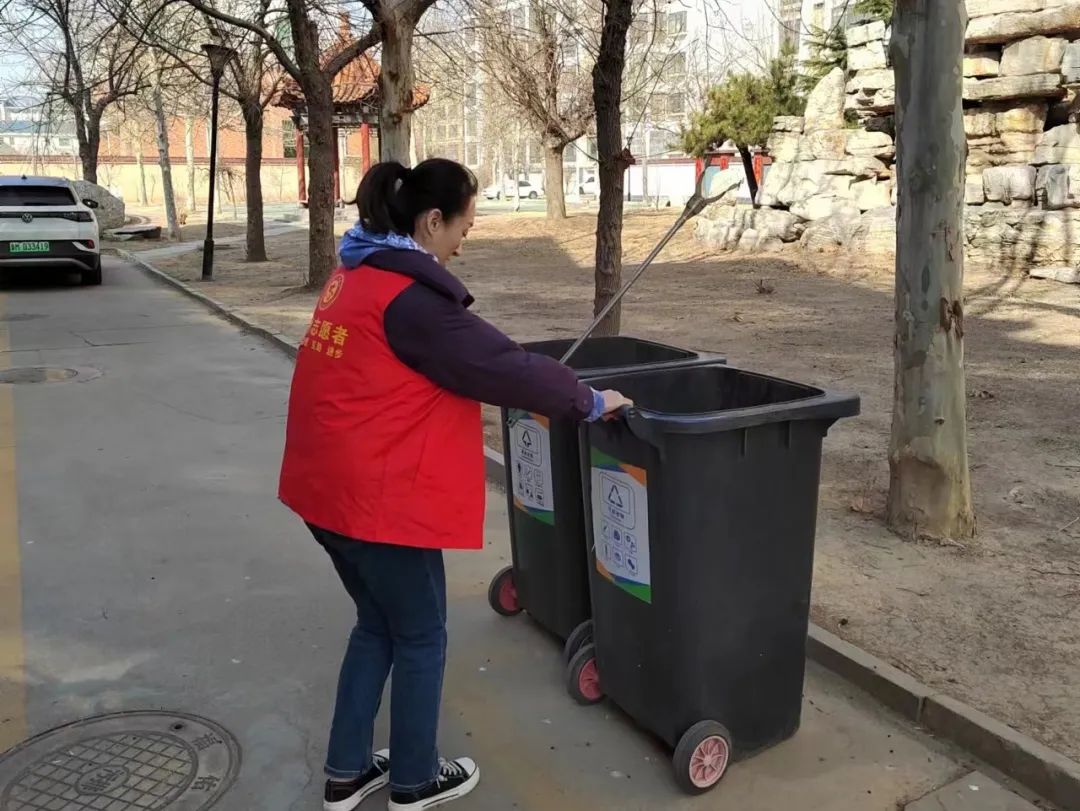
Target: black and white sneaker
341 796
456 779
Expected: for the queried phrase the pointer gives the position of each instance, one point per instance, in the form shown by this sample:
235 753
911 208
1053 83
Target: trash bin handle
828 406
641 426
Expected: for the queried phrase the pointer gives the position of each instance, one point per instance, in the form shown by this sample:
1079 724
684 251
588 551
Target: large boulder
781 225
724 184
863 34
818 186
870 56
825 104
1019 238
722 233
974 192
110 211
994 119
777 179
824 206
871 194
1004 184
1037 85
1059 145
1052 186
784 146
984 8
1033 55
824 145
1070 63
874 234
788 183
830 233
1057 186
867 80
788 123
864 144
982 64
1024 117
1025 18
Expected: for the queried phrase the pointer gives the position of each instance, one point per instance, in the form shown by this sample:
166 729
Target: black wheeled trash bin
549 577
701 509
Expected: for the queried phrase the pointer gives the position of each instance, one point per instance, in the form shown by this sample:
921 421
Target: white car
589 185
43 223
525 189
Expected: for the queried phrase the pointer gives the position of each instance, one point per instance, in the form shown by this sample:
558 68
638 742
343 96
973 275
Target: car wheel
533 195
92 276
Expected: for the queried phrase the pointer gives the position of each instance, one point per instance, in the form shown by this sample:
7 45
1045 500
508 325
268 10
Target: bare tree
253 80
533 54
930 488
158 78
80 56
308 53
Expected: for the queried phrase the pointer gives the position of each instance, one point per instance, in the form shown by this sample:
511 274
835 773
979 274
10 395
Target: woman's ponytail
377 198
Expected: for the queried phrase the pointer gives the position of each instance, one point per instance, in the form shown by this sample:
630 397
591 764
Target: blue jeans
400 596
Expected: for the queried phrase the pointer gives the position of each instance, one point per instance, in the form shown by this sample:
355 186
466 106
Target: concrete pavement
158 571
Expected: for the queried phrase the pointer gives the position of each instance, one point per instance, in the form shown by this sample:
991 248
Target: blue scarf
358 244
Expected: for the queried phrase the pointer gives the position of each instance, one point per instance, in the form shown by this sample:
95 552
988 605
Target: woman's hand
614 402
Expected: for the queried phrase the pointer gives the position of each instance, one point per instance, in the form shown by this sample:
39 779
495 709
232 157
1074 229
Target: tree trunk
515 184
929 488
751 178
189 155
322 257
645 162
396 80
554 192
607 76
136 147
253 136
171 223
88 137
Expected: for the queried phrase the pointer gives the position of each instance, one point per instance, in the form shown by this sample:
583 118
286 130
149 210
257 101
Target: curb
1033 765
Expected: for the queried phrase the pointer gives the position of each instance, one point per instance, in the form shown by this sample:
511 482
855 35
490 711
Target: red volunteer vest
374 450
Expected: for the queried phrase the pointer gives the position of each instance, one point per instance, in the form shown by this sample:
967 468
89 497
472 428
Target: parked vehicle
525 189
44 224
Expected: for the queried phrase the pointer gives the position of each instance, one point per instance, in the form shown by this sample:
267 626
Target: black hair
390 197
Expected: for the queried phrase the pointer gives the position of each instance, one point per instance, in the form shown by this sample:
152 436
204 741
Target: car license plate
29 247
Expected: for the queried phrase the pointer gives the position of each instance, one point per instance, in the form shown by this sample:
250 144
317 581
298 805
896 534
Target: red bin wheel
702 757
502 593
583 677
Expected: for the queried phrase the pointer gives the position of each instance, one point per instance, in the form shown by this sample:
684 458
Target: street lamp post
219 56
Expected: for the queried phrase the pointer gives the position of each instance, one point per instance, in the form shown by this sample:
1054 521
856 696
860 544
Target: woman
384 461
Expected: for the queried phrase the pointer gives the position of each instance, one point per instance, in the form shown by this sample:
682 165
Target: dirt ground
995 623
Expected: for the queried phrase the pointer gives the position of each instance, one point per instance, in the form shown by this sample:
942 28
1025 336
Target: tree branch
271 41
351 51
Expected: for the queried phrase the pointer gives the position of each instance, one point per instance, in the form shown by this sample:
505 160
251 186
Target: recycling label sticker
620 512
530 460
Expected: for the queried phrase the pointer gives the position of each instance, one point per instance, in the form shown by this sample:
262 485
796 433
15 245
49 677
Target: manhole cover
137 761
36 374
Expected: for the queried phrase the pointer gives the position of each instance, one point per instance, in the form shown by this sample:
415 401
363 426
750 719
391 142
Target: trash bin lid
717 397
